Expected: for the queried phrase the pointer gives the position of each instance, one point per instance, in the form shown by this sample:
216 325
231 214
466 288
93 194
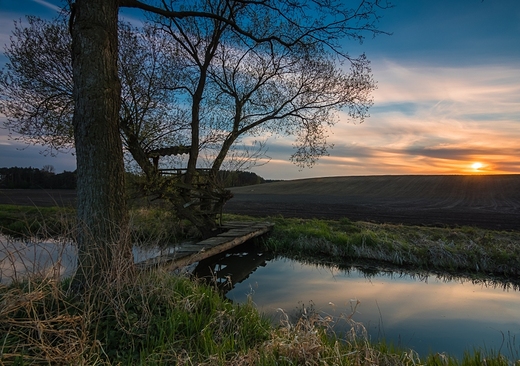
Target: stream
420 311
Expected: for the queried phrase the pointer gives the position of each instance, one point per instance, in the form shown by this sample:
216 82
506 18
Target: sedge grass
149 225
452 250
26 221
156 319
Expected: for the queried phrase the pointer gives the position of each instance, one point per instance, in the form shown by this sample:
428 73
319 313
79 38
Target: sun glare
477 166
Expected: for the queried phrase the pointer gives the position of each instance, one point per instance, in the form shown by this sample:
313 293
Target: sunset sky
448 95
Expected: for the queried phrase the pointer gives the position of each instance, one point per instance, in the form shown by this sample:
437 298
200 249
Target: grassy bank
158 318
46 222
148 225
476 252
153 319
479 252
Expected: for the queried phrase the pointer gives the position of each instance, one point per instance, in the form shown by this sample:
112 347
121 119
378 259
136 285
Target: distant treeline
46 178
225 178
34 178
239 179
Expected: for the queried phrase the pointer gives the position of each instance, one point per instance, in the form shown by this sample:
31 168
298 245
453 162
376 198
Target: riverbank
162 319
477 253
158 318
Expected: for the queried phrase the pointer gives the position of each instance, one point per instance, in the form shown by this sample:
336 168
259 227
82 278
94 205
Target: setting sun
477 165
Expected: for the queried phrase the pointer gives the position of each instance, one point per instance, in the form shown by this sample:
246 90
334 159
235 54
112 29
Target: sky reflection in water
432 315
429 315
49 258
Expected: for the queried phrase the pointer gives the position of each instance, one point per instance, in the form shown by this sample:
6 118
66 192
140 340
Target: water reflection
232 267
419 310
51 258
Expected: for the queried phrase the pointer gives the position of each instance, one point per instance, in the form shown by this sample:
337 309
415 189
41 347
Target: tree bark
104 248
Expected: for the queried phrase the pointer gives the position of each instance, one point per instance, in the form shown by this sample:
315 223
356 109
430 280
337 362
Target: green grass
471 250
157 318
477 251
150 226
161 319
47 222
182 317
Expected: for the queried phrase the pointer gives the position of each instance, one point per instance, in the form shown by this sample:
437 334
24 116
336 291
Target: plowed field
483 201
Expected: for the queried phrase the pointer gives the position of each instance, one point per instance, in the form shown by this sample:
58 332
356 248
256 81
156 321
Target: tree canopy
206 77
198 78
34 178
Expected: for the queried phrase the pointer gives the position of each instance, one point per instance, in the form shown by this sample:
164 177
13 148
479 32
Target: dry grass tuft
301 342
311 341
40 325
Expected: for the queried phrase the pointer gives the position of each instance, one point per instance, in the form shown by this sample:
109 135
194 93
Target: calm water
425 313
55 258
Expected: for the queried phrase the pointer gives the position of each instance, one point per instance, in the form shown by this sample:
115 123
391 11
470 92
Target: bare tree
48 169
238 85
238 68
36 87
261 90
36 84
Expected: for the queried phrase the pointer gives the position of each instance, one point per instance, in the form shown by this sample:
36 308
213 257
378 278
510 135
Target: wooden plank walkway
237 233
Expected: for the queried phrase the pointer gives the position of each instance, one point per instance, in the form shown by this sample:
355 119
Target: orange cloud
427 120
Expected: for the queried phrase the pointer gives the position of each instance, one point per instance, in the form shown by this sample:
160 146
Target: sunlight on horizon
477 165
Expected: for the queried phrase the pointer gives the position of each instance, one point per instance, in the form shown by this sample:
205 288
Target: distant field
484 201
38 197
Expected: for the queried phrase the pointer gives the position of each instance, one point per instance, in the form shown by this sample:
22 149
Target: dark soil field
38 197
491 202
484 201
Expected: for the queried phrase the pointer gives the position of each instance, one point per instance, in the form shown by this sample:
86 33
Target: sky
447 98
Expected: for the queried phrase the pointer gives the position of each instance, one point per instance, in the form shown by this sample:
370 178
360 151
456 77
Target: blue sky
448 95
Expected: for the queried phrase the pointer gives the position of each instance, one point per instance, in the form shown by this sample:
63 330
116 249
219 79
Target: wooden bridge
235 233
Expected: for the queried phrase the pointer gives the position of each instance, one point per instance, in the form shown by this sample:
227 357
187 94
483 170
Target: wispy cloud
429 120
448 95
48 5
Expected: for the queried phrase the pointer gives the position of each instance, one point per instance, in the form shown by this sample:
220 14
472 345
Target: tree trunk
136 149
104 248
219 160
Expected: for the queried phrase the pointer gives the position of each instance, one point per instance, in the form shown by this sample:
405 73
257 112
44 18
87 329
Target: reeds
151 317
39 326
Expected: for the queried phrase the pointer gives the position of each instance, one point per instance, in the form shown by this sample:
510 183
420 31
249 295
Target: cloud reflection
425 313
45 259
